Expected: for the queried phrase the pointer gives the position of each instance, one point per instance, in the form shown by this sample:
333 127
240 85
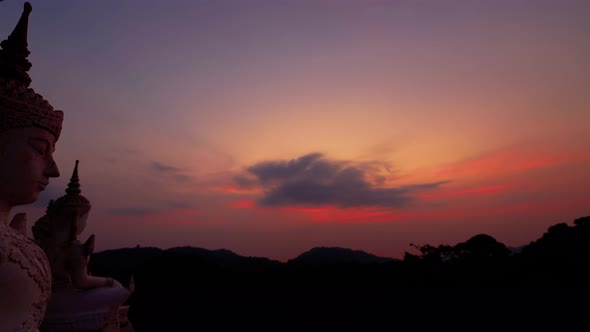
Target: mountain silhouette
443 287
337 255
122 263
222 257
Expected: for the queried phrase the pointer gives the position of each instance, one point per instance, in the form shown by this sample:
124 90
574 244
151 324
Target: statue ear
89 246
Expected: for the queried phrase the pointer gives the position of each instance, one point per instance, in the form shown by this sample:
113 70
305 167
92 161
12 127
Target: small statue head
65 217
29 127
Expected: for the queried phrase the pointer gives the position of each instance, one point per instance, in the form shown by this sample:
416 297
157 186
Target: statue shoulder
24 266
19 249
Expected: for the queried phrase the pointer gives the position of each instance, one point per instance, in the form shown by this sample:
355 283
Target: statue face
26 164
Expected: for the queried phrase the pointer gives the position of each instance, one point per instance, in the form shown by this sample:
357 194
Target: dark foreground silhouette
477 285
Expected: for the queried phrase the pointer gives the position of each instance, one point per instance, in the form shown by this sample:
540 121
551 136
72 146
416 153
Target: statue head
65 217
29 126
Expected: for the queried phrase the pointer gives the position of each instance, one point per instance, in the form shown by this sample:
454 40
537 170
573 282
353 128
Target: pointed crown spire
74 185
72 198
14 52
21 106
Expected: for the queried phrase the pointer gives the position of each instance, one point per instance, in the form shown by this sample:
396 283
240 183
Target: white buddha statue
29 129
79 301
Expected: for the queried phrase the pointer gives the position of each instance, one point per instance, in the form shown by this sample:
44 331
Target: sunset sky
271 127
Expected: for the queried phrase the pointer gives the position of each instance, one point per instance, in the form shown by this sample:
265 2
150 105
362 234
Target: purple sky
270 127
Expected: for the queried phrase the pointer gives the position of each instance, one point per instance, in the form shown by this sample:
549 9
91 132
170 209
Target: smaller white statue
78 301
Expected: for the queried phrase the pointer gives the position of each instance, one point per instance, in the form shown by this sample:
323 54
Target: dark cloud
315 180
172 171
157 166
269 171
182 178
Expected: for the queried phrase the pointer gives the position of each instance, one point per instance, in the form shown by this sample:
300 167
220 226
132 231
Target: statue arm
80 277
82 280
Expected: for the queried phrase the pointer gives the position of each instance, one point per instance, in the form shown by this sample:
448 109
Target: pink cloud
500 162
235 189
242 204
486 190
333 214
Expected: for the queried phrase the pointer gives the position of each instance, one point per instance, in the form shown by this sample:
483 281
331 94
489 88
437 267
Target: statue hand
116 283
19 223
89 246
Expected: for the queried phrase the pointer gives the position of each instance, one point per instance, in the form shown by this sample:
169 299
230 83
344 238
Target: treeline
560 258
475 285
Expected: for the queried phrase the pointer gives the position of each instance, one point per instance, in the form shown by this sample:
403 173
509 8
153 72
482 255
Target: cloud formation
313 179
174 172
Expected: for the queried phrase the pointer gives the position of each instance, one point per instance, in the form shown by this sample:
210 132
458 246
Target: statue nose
52 171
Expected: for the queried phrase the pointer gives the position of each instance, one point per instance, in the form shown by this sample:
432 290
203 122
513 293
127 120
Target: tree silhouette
481 246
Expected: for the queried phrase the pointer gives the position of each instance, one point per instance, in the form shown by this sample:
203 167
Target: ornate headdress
71 200
21 106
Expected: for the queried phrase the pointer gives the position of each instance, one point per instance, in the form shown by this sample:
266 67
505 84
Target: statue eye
40 147
39 151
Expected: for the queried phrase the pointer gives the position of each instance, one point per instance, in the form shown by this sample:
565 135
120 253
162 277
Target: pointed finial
74 185
13 55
